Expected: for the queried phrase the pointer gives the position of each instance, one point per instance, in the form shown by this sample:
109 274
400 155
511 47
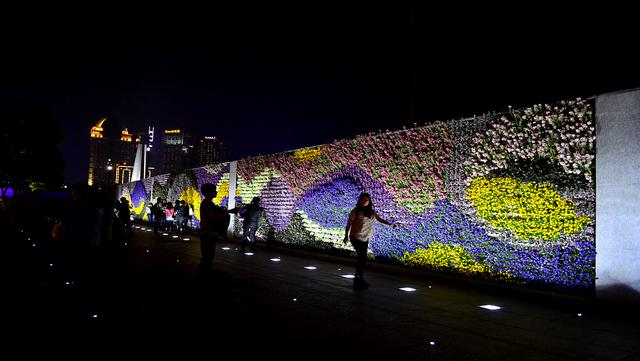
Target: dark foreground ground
143 300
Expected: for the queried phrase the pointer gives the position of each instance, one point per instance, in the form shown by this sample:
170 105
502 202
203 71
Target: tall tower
177 152
209 150
140 164
98 155
110 160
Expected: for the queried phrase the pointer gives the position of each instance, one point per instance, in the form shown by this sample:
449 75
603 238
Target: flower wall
507 197
181 186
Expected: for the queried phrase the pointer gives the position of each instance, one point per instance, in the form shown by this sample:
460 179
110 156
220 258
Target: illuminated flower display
329 204
531 211
560 136
139 200
507 197
278 201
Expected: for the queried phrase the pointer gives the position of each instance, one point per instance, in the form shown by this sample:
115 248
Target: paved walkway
274 304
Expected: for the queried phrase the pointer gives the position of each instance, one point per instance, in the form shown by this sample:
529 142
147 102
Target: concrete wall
618 196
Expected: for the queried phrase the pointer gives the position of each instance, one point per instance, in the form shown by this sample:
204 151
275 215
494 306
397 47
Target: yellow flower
306 154
530 210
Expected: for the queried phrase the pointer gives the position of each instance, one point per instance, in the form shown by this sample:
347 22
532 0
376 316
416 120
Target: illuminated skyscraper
177 151
208 150
99 156
110 160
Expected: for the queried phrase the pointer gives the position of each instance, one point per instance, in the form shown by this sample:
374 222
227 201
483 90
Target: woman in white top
359 231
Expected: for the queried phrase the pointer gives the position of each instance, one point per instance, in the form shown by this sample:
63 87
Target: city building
111 159
176 152
208 150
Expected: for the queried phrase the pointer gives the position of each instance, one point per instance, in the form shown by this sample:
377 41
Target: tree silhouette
29 153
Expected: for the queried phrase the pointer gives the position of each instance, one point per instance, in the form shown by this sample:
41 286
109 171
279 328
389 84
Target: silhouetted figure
182 215
214 221
79 232
159 217
124 215
359 230
251 216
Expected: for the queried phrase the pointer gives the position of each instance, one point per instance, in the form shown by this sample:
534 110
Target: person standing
214 221
359 230
124 215
251 216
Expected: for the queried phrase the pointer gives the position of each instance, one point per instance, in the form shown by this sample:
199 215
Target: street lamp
109 174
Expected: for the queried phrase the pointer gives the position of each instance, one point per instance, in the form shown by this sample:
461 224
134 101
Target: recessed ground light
185 239
226 248
310 267
165 234
175 236
348 276
432 343
407 289
579 315
490 307
275 259
249 253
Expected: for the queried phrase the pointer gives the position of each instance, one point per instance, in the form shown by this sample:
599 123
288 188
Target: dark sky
274 79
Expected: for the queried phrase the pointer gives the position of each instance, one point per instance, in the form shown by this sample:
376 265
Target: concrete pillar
618 196
231 199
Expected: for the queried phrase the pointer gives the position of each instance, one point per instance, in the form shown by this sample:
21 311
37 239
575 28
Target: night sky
277 79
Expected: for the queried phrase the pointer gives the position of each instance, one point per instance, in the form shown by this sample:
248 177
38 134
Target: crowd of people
89 223
168 216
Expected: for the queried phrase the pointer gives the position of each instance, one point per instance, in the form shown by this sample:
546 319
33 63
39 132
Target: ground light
275 259
407 289
348 276
310 267
248 253
490 307
226 248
